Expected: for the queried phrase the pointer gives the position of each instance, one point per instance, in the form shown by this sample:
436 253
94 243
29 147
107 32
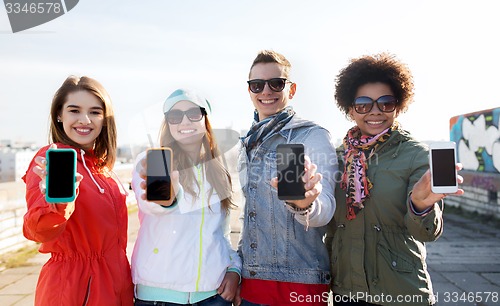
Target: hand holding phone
158 180
442 159
290 167
61 175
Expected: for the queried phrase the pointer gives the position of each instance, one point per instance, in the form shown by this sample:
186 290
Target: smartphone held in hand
290 168
61 175
158 181
442 157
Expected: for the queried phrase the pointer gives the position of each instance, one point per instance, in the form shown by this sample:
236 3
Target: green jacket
380 255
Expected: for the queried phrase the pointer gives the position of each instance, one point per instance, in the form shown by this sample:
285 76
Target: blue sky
143 50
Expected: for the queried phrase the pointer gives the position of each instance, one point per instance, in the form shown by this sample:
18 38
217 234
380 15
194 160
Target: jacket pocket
396 261
398 274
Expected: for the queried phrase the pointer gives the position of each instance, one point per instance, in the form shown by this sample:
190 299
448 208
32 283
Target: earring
59 120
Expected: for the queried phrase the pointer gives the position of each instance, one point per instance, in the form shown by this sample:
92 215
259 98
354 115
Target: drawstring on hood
289 135
82 153
397 150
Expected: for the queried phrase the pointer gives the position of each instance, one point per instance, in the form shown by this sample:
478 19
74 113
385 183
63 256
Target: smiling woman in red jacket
87 238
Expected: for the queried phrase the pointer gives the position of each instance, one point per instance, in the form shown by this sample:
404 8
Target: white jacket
186 247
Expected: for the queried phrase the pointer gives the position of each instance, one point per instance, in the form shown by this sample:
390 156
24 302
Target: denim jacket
275 243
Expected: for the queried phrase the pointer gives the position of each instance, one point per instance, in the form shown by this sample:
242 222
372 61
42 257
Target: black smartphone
61 175
290 168
158 182
442 158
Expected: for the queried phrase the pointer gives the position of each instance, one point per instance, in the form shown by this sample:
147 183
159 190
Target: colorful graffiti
478 140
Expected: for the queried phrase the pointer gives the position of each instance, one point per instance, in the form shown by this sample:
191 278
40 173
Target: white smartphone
442 159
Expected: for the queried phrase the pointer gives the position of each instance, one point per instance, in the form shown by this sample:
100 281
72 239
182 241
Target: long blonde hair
217 174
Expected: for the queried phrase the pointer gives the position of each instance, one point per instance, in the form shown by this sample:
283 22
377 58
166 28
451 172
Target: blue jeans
215 300
247 303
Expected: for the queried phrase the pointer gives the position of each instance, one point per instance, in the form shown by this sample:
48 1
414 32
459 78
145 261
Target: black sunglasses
275 84
175 116
386 104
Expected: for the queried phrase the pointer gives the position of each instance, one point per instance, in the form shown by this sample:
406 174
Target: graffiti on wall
478 140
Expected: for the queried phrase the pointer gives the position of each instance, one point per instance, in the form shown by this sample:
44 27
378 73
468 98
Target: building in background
14 162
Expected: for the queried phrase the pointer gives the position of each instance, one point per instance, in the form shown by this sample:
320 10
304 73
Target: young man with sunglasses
285 261
386 211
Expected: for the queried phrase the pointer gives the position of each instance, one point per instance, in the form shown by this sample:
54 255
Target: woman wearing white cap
183 254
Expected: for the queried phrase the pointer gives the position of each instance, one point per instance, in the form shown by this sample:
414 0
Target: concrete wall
478 148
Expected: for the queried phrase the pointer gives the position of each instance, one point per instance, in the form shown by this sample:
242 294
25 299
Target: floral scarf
260 130
354 179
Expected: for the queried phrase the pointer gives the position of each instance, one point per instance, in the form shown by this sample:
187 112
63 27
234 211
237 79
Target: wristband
174 202
296 208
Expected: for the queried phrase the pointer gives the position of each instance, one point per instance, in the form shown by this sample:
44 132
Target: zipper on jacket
203 200
378 229
87 293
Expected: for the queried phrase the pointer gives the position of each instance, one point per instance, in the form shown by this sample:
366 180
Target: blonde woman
183 254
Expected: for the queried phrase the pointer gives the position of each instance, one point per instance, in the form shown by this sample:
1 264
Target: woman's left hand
229 285
312 184
422 197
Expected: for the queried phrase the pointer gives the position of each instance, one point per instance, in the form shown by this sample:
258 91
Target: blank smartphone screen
158 178
443 167
290 167
61 174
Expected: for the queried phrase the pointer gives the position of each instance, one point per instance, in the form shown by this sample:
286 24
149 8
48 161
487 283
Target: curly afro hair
384 68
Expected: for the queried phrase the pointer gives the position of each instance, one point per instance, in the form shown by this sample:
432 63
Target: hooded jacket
277 243
87 240
380 255
185 247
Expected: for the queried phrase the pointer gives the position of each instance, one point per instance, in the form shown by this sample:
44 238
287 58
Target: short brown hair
384 68
270 56
105 144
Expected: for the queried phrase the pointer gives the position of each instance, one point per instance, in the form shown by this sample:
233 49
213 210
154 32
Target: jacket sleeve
147 207
43 221
319 148
235 260
427 227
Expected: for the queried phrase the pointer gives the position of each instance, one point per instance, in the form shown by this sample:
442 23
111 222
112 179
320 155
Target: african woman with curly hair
386 211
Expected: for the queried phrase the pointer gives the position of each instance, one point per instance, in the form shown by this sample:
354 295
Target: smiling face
187 132
375 121
268 102
82 116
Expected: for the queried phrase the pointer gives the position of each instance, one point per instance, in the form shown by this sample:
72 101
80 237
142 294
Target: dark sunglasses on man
195 114
386 104
275 84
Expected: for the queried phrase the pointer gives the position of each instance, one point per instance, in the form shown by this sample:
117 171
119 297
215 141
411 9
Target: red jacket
87 240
